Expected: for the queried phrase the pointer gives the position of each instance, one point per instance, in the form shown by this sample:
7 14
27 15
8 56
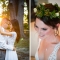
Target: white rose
35 10
43 3
57 14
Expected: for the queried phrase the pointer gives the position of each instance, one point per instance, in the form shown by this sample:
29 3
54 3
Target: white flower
35 10
21 39
57 14
43 3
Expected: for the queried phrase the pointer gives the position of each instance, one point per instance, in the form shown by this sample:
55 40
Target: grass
23 54
23 43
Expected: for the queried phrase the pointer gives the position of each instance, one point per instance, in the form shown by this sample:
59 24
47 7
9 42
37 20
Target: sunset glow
1 10
0 20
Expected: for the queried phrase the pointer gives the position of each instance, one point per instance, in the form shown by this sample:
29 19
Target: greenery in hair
41 11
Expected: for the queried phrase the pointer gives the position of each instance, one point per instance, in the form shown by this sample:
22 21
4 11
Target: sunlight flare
0 20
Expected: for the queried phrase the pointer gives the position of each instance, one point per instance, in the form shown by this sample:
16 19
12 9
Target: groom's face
4 23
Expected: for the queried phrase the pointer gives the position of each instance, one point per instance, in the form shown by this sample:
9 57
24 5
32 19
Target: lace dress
53 55
11 55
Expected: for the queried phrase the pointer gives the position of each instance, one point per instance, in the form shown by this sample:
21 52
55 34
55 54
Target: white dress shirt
3 43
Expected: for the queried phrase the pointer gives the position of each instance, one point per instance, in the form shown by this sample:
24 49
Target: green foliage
23 43
42 11
4 4
26 29
26 25
52 14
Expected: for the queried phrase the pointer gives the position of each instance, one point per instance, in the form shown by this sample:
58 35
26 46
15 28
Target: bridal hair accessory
46 10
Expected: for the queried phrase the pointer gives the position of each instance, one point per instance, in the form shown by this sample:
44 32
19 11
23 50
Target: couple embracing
7 39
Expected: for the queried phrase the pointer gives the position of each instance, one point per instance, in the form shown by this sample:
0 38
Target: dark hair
47 20
15 25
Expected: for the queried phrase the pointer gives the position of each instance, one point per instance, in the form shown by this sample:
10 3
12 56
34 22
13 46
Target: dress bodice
52 56
36 55
11 39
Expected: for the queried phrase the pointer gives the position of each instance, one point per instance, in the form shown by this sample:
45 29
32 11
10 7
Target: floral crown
42 11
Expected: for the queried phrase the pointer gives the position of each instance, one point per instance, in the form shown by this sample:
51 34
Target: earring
56 32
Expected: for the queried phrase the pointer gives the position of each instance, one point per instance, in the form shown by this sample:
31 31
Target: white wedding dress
53 55
11 55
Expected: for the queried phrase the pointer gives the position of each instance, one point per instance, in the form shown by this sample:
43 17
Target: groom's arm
4 32
3 45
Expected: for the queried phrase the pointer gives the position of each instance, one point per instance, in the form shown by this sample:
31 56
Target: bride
46 24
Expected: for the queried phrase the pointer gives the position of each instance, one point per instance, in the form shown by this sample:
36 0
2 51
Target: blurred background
33 33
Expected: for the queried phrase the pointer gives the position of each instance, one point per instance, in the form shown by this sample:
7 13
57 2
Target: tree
16 8
27 1
4 6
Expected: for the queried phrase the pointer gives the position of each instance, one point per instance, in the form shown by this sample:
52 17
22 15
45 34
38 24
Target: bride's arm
5 33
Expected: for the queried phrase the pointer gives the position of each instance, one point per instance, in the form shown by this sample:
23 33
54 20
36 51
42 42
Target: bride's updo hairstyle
48 13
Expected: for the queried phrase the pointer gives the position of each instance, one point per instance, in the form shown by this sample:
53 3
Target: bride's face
43 30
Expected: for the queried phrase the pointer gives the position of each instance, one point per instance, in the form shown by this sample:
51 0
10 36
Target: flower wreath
42 11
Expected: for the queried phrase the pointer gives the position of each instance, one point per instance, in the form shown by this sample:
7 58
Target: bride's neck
53 39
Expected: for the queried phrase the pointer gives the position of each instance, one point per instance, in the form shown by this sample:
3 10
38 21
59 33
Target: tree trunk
17 15
12 9
20 17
